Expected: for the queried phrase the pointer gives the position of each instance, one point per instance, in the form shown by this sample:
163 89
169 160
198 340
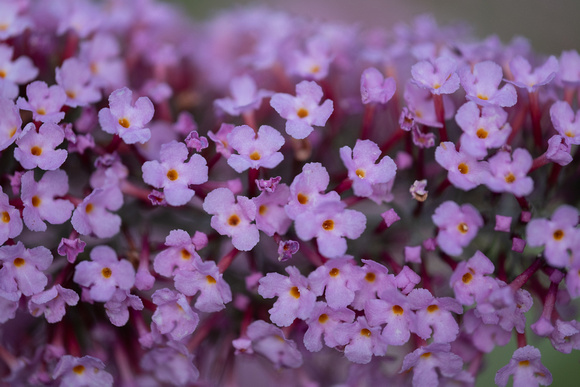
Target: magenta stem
440 113
521 279
536 114
227 260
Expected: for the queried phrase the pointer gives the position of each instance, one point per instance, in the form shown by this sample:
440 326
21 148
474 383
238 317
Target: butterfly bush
375 207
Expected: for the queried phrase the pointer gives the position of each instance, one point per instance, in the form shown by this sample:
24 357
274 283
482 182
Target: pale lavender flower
376 88
125 118
245 96
11 124
565 121
51 303
174 174
85 371
270 342
481 83
104 274
438 76
526 368
22 268
39 199
509 173
205 278
255 150
37 149
19 71
75 78
173 316
303 111
524 77
458 225
117 307
10 220
425 360
44 102
92 216
465 172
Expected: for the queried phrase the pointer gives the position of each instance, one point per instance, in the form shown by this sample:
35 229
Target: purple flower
502 223
393 309
221 139
481 84
175 175
483 128
205 278
11 124
375 88
44 102
558 235
570 67
52 302
438 76
509 173
565 121
566 336
255 150
559 150
271 217
470 280
338 280
39 199
424 360
17 72
434 316
101 53
10 221
526 368
328 322
364 341
305 190
233 219
526 78
376 279
104 274
457 226
313 64
406 280
37 149
71 248
173 316
245 96
270 342
286 249
75 78
117 307
465 172
180 254
303 111
126 119
330 223
421 108
390 216
362 169
22 268
84 371
93 216
171 364
295 299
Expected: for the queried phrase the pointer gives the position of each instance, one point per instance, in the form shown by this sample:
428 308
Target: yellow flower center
262 209
172 174
483 97
558 235
463 168
302 199
462 227
294 292
365 332
36 150
301 113
323 318
106 272
360 173
328 224
210 279
467 277
334 272
370 277
36 201
5 217
89 208
234 220
19 262
510 178
481 133
124 122
255 156
79 369
185 254
398 310
432 308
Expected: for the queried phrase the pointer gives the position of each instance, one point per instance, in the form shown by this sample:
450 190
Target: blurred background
550 26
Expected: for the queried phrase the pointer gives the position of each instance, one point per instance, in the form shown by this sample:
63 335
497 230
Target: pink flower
465 172
375 88
524 77
481 83
174 174
44 102
233 219
457 226
303 111
37 149
509 173
104 274
437 76
22 268
526 368
565 121
126 119
256 150
245 96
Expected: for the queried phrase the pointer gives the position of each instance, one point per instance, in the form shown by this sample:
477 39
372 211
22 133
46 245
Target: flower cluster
133 251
